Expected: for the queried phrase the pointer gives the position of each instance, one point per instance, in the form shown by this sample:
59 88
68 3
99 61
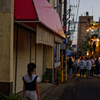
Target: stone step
47 91
56 93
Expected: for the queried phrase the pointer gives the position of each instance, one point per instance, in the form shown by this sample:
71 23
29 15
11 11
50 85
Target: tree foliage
85 44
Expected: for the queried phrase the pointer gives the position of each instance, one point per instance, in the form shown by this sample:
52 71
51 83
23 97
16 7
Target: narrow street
44 42
82 89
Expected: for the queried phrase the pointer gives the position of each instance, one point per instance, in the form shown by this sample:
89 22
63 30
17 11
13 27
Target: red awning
38 10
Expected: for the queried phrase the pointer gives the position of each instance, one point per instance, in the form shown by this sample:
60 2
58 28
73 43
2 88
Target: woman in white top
88 67
92 67
30 84
82 66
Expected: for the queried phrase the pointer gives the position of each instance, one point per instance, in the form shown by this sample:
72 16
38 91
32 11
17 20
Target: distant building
74 48
82 31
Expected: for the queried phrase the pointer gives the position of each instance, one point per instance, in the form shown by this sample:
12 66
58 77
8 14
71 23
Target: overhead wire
74 11
77 11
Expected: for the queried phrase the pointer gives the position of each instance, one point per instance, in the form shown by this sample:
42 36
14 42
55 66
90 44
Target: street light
68 35
89 29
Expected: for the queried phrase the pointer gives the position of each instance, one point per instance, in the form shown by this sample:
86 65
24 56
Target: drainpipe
53 63
16 60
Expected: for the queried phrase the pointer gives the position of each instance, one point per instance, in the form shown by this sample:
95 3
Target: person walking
82 66
75 65
85 59
92 68
70 66
97 66
78 68
88 67
30 84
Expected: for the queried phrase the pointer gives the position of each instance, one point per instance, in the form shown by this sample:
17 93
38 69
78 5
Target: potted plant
46 77
13 97
58 76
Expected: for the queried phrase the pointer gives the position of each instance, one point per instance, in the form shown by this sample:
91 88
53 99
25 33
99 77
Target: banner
68 52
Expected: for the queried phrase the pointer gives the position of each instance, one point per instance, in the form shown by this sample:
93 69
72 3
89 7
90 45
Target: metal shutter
23 56
14 56
23 53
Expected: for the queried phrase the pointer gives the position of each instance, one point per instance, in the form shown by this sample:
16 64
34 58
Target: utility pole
65 9
64 24
69 24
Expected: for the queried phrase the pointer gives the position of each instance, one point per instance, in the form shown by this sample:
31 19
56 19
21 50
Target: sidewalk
56 93
49 91
45 89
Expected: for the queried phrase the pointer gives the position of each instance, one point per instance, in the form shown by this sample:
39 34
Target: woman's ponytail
30 68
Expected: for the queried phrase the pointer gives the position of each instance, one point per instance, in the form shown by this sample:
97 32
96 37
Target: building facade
25 37
58 6
82 31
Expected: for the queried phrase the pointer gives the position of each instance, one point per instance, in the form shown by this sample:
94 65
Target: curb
46 92
62 92
64 88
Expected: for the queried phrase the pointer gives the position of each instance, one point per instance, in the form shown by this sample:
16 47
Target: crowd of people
83 65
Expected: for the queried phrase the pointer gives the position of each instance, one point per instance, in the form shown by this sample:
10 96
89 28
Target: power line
77 13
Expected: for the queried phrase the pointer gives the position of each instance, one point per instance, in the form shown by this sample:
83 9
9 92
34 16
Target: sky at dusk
93 7
87 5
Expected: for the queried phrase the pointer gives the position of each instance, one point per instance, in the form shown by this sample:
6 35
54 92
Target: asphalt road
82 89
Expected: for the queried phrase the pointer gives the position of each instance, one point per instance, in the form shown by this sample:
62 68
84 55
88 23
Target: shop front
34 31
